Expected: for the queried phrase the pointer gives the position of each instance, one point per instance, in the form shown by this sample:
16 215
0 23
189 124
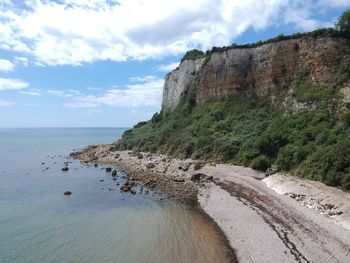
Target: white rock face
178 81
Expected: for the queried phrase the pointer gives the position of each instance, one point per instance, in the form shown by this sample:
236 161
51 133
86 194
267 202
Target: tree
343 24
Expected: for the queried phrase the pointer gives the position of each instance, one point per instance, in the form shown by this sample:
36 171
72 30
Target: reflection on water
95 224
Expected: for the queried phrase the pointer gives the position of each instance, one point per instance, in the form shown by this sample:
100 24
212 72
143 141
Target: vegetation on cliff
311 139
311 143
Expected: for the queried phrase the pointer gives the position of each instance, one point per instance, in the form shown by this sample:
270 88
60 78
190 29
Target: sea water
97 223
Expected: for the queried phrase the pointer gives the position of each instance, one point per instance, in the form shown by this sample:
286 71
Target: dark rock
65 169
139 156
117 155
209 178
102 181
109 169
179 180
197 166
95 165
150 165
199 177
114 173
185 167
42 163
67 192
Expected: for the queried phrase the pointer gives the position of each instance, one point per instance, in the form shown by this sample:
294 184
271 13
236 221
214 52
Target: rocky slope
262 71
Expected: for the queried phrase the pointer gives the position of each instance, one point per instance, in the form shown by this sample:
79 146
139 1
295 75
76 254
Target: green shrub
343 24
261 163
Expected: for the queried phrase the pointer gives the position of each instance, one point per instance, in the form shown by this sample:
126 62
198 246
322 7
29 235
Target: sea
97 223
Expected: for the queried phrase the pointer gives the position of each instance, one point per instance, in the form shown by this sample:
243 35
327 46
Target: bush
261 163
343 24
193 55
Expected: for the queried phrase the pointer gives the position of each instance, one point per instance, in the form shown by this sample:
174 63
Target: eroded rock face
261 71
179 80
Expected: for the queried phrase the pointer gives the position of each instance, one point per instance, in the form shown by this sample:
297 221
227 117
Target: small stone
95 165
109 169
179 180
114 173
117 156
65 169
102 181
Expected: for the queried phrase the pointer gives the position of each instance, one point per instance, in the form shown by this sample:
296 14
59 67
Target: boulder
200 177
114 173
139 156
117 155
95 165
150 165
197 166
184 167
109 169
67 192
65 169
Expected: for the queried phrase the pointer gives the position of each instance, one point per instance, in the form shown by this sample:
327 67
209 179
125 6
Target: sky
101 63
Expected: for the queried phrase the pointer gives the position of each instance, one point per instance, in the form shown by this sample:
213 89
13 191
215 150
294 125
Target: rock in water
65 169
67 193
109 169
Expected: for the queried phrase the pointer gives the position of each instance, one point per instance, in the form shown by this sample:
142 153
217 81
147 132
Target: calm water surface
96 223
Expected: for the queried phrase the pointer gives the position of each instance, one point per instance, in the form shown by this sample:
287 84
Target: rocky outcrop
261 71
179 81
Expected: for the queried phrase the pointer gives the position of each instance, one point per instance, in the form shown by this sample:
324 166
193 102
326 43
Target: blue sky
101 63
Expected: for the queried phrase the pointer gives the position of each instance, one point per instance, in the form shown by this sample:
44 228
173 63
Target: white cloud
60 93
4 103
32 92
6 65
76 31
168 67
12 84
146 93
23 61
143 79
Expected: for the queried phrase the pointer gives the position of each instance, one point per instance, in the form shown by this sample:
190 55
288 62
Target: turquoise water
96 223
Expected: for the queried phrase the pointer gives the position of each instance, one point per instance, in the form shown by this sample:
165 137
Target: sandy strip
276 219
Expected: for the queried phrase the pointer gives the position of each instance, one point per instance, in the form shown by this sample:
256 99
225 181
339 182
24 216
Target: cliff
285 102
262 71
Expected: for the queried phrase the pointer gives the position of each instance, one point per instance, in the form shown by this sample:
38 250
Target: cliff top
324 32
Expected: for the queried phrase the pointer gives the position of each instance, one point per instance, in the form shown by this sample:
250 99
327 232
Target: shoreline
279 218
